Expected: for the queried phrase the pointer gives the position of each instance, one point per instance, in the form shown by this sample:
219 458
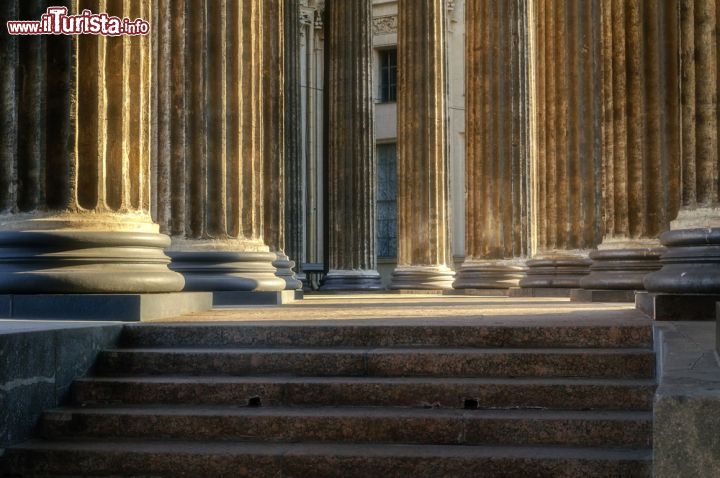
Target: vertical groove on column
293 154
274 126
9 113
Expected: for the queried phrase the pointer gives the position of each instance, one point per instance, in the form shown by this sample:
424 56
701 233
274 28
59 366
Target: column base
489 275
284 267
236 298
478 292
556 272
343 280
690 265
601 295
677 307
422 278
621 269
103 307
214 271
85 262
539 292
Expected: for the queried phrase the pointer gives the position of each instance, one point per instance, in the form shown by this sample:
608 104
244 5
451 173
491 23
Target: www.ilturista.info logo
56 21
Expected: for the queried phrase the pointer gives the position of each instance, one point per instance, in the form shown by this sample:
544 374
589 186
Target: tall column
641 143
274 138
568 193
211 172
423 245
294 215
74 161
497 233
351 178
688 285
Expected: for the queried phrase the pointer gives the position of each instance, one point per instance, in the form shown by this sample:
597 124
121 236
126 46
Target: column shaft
210 73
423 246
641 143
497 233
75 157
351 176
568 194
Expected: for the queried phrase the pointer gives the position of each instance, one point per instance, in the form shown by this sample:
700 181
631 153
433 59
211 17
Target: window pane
387 201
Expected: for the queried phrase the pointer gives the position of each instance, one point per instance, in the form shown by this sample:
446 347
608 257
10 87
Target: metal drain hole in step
254 402
470 404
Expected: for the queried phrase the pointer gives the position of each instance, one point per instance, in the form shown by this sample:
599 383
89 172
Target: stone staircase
413 399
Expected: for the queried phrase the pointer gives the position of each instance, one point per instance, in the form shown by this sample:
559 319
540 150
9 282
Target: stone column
294 215
641 144
423 245
567 189
351 177
274 138
74 163
211 172
688 285
497 233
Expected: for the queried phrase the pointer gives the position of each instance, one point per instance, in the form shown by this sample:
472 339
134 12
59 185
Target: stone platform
602 295
103 307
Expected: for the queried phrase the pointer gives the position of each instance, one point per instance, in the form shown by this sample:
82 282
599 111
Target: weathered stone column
567 189
211 173
641 144
294 217
351 178
74 164
423 246
274 138
497 233
688 285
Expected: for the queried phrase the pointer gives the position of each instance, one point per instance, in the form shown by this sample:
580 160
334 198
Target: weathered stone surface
498 140
39 363
235 298
602 295
349 280
423 242
687 402
677 307
186 459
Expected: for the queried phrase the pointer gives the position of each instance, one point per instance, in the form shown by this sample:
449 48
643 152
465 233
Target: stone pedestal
351 169
497 160
423 216
215 177
74 183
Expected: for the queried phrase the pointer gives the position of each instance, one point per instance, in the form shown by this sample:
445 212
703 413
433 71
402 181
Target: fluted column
691 262
351 179
567 189
294 216
274 138
497 234
74 160
422 201
211 173
641 143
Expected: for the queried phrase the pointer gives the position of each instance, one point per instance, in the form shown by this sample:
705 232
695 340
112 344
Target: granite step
354 424
231 459
381 362
563 393
622 333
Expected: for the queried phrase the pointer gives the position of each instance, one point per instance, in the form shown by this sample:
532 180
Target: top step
625 331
